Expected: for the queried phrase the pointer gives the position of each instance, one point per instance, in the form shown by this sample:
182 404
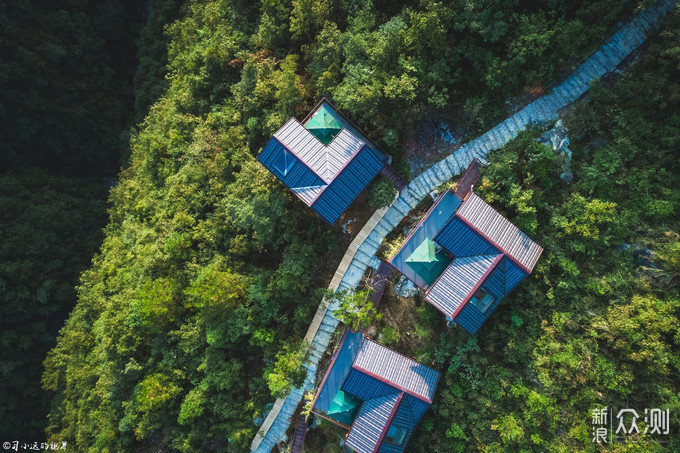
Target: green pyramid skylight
323 125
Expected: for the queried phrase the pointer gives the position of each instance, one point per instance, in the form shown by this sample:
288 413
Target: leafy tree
356 310
381 193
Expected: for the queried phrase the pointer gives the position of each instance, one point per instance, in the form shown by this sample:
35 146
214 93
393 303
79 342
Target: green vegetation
190 317
381 193
66 98
591 327
356 311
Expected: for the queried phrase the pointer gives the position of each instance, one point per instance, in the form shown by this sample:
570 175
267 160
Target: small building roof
396 370
372 422
428 227
428 260
500 231
324 125
325 161
459 281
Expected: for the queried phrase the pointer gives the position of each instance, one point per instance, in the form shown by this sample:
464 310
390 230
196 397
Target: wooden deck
469 178
299 437
380 281
390 173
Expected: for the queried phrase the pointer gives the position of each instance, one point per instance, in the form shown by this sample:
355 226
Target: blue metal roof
435 219
460 240
366 387
403 418
326 177
298 177
500 231
396 370
338 370
454 286
326 161
347 185
381 378
371 421
489 252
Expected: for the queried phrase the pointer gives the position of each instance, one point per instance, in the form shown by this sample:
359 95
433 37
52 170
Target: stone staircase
364 246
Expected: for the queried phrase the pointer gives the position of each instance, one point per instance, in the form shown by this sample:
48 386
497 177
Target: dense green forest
66 100
189 316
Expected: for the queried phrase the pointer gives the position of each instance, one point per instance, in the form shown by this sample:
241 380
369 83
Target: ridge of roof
431 386
494 228
395 408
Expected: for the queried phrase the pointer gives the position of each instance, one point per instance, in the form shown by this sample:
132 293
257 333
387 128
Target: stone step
452 164
476 148
560 100
524 117
416 191
624 42
442 171
419 185
573 89
499 135
402 207
430 179
564 91
551 105
598 64
323 337
482 147
542 109
329 323
531 112
592 67
490 140
510 124
611 56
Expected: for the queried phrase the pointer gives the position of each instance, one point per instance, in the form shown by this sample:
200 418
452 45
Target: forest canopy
189 317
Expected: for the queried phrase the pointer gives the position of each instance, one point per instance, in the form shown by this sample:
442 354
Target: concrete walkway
366 243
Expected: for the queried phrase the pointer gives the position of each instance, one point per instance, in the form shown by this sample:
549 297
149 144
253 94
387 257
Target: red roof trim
328 371
406 357
330 419
388 423
476 287
468 223
420 223
392 384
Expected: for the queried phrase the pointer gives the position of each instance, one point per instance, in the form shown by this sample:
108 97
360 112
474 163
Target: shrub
381 193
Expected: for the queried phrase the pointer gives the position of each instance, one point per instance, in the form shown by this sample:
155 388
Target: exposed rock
558 139
405 288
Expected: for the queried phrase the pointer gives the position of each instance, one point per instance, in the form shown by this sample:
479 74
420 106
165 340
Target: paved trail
364 246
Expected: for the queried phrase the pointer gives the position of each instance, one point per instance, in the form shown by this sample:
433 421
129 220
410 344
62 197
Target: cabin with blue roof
324 160
466 257
378 394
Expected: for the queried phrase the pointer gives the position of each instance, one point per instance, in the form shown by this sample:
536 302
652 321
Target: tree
355 309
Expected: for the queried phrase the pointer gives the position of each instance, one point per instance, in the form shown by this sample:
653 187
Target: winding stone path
364 246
